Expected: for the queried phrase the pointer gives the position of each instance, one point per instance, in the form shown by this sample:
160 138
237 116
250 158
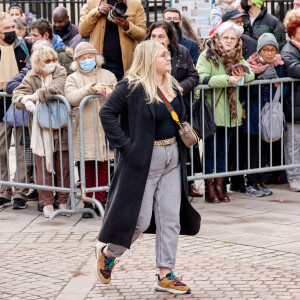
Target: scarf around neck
258 66
214 50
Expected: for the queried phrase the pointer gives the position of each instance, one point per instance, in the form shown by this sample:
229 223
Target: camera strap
117 1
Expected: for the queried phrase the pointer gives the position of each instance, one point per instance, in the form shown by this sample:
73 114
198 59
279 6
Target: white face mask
49 68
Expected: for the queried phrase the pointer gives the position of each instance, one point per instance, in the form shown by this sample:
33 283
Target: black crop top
165 126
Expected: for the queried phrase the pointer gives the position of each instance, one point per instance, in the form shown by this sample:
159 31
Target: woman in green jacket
215 68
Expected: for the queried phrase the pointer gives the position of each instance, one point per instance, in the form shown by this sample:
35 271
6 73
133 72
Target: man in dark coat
173 16
257 21
63 26
13 56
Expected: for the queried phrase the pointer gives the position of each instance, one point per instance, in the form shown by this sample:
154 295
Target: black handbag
202 109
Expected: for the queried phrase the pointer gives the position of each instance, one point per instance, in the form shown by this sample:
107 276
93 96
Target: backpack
272 119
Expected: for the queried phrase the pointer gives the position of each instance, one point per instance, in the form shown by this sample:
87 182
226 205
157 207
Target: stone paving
246 249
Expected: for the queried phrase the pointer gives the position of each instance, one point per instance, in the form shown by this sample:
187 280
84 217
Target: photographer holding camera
114 27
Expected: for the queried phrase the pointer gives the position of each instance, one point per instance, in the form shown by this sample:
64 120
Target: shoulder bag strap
277 94
219 98
171 110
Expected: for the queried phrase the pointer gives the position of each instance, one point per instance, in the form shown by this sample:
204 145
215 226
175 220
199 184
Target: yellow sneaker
104 265
171 284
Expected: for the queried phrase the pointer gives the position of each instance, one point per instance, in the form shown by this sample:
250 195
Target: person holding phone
215 67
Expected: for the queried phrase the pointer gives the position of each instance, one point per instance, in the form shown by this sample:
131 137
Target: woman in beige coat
46 79
90 78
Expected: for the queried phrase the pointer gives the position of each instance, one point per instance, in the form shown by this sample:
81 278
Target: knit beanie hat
266 39
258 3
84 48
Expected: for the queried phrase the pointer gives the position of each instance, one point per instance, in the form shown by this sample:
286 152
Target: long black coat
290 54
133 139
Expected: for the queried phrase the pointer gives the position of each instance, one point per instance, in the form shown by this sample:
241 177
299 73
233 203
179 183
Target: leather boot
193 192
219 190
210 193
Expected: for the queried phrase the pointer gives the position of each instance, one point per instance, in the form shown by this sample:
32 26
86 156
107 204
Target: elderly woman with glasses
46 79
266 64
216 68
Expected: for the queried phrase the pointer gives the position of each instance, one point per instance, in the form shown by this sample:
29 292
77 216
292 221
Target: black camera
118 10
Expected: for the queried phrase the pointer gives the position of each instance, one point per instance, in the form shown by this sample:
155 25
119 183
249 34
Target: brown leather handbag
186 132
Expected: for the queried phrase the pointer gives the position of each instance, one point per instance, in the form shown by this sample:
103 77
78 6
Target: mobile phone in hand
245 68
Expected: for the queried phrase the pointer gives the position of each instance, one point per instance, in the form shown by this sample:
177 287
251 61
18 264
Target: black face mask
176 25
244 5
9 37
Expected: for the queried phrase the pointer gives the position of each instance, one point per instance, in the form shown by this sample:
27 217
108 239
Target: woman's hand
235 79
30 106
100 88
108 92
238 72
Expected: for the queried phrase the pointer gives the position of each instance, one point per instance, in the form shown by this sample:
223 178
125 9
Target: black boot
87 215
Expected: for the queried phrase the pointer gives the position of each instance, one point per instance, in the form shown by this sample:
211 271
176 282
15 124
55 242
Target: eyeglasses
48 61
271 51
169 19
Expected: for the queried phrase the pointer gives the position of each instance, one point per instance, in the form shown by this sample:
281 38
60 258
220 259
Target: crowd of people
135 68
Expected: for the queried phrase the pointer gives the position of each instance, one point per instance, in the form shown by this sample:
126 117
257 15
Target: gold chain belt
165 142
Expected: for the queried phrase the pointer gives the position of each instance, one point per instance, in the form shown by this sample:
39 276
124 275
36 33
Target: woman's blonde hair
42 53
290 16
143 71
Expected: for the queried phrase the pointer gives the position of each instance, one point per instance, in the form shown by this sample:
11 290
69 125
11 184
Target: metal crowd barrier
21 182
246 170
76 194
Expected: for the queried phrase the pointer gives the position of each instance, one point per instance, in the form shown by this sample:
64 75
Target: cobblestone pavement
247 249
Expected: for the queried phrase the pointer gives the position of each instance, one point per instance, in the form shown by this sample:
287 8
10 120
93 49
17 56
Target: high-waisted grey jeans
163 194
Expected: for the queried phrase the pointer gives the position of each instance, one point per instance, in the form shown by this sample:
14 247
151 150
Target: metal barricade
93 102
96 189
42 181
239 169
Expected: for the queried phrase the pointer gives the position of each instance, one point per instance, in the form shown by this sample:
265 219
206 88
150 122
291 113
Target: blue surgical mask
88 64
262 60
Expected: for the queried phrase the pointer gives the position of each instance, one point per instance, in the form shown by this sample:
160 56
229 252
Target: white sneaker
295 186
62 206
48 210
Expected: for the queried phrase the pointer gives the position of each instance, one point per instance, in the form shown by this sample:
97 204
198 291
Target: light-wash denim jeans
163 194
